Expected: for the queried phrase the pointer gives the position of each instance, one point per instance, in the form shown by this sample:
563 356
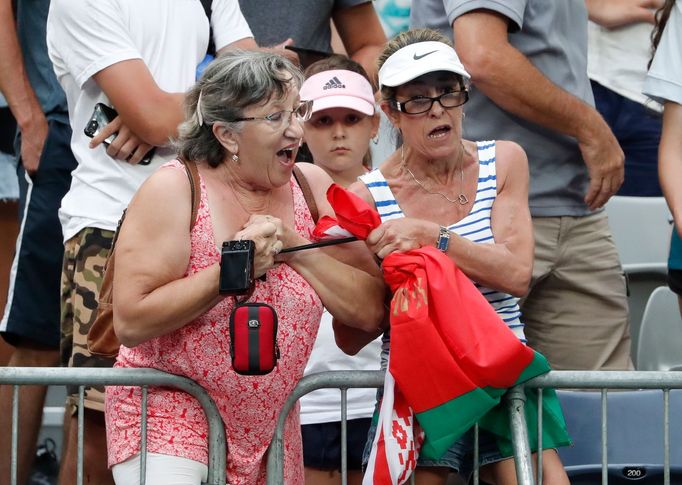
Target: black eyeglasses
277 120
422 104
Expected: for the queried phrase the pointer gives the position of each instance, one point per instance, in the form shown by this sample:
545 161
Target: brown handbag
102 340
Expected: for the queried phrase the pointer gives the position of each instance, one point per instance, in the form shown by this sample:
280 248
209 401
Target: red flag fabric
352 212
329 228
461 333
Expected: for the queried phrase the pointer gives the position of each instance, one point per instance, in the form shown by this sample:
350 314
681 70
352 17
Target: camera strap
320 244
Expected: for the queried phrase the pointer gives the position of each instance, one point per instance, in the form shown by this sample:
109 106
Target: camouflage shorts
82 273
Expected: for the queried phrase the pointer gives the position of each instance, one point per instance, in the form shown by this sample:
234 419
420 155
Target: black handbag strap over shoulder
207 4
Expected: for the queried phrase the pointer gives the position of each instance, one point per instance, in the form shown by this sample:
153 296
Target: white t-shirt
86 36
617 59
664 80
324 405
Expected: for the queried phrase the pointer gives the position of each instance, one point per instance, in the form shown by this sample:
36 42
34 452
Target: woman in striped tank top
469 199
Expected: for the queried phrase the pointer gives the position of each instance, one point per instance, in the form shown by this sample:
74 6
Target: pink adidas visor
339 89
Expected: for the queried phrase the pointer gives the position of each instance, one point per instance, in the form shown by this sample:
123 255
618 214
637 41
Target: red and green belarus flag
451 360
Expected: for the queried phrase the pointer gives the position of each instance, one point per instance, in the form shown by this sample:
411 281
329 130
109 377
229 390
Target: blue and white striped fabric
475 226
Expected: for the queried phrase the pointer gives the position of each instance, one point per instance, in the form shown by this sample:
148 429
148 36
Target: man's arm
509 79
151 113
362 35
17 89
248 43
618 13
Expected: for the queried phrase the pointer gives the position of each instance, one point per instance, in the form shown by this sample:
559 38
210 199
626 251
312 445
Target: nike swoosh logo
417 57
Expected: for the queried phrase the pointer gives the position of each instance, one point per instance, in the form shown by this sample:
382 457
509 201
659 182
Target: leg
431 476
5 352
577 316
31 401
161 470
95 470
454 467
504 472
84 258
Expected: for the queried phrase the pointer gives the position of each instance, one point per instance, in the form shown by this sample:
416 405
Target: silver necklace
461 198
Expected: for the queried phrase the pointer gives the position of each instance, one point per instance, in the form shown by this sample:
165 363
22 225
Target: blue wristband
443 239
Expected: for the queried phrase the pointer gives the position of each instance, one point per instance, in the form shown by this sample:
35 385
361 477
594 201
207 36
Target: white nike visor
415 60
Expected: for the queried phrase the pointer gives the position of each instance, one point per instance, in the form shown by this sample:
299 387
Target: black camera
236 267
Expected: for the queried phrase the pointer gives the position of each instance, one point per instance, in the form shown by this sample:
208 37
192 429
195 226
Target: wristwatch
443 239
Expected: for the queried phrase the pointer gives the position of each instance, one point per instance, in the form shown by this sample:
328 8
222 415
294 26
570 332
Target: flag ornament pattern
451 360
396 443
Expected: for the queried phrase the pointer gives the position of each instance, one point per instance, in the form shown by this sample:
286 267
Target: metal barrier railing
217 448
342 380
583 380
516 397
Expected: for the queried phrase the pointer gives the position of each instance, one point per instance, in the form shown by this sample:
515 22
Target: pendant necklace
461 198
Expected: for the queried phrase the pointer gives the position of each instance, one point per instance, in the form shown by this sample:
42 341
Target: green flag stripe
445 423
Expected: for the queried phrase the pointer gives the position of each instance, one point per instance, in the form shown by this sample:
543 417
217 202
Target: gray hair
232 82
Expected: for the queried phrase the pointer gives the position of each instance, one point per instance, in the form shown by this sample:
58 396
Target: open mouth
439 131
286 155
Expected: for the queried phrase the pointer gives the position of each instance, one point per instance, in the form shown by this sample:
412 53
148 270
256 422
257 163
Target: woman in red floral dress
243 128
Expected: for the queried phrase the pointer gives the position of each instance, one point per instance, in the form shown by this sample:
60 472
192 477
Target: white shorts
161 470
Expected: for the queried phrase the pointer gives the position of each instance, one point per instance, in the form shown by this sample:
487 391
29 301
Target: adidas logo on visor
334 83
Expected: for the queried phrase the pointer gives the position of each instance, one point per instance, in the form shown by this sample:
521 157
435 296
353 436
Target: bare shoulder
168 182
510 160
510 153
361 190
319 181
315 176
164 195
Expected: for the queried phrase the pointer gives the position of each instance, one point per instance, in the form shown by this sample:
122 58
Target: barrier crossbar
217 448
603 381
342 380
516 398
